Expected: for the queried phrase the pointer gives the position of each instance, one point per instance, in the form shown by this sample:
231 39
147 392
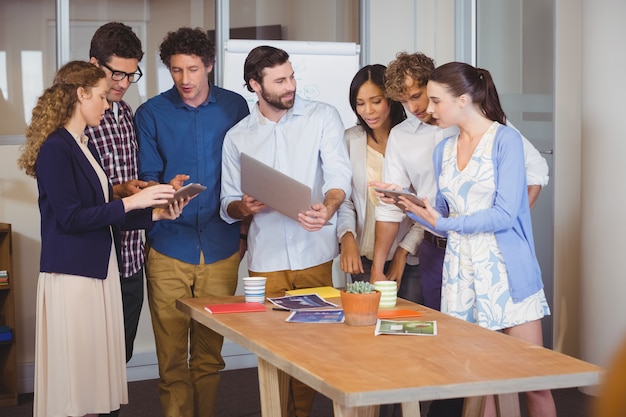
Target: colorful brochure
315 316
301 302
406 327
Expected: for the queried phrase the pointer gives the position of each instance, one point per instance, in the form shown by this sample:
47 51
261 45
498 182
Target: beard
277 101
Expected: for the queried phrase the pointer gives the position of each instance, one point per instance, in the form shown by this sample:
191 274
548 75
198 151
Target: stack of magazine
308 308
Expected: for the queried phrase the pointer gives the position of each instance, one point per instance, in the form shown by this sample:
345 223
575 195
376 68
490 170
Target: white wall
589 190
567 174
603 310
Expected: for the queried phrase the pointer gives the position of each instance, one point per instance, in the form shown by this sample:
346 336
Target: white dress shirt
353 211
306 144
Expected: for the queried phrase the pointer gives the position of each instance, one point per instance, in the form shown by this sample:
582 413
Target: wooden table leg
411 409
507 405
474 407
343 411
274 390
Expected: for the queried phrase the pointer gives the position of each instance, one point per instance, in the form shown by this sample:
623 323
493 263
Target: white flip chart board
323 70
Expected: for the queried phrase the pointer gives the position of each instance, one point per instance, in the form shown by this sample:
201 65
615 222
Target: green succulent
360 287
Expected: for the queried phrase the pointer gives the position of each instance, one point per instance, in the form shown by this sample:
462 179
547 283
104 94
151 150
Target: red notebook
395 314
235 308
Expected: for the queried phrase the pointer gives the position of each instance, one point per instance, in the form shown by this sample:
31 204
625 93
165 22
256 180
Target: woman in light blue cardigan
491 275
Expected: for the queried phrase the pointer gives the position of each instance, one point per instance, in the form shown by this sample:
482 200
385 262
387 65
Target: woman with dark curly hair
80 364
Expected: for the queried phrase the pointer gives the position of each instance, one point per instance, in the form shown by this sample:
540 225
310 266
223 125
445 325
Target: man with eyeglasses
117 50
116 75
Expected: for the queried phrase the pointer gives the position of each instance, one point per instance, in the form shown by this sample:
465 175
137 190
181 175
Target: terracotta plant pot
360 309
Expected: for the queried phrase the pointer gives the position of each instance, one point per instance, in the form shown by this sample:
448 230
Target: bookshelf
8 361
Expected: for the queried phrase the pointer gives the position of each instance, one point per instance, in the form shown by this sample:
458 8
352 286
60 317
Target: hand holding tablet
190 190
395 195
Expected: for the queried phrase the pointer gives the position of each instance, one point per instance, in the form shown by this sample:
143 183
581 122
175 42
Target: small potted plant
360 303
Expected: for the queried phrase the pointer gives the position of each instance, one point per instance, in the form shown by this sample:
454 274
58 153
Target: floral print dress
475 281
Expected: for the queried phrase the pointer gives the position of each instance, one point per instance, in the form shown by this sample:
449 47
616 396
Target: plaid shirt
117 146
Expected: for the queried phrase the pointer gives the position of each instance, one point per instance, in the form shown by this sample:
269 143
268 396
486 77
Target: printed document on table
316 316
406 327
301 302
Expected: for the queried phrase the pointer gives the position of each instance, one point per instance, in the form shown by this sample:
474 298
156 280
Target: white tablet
273 188
189 190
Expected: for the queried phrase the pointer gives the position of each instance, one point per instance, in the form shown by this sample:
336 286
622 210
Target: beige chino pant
187 389
301 396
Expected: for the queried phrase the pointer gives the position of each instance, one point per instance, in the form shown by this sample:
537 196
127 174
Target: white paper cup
254 289
388 301
386 284
388 292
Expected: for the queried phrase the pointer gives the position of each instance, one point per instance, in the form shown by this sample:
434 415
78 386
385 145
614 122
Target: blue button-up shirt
175 138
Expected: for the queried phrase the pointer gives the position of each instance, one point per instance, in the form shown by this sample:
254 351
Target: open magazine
316 316
301 302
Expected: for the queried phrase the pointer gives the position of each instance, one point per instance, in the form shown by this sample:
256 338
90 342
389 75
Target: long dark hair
376 74
460 78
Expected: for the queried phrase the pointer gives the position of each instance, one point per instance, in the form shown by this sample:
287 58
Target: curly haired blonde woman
80 365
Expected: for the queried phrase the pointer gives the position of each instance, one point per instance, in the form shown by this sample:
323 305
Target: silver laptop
270 186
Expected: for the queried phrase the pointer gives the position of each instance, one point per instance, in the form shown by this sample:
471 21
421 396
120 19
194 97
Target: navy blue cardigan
75 220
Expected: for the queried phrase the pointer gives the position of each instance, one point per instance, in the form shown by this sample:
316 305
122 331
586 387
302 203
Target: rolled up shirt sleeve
537 172
412 240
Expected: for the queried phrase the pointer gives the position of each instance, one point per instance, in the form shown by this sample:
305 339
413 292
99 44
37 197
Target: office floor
239 397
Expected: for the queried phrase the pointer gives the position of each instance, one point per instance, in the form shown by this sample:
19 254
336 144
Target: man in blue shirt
180 133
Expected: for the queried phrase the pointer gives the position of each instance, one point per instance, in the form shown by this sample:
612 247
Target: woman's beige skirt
80 360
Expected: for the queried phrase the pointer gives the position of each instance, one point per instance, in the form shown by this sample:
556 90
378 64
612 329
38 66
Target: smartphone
396 194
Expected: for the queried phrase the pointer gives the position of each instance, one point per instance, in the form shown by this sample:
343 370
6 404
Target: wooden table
359 371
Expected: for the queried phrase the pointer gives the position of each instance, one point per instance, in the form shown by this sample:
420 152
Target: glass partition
28 58
298 20
23 57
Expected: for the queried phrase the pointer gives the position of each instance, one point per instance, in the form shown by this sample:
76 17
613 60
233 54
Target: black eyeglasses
116 75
